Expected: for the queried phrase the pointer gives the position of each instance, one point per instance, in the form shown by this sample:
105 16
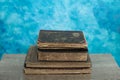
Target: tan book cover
63 55
56 71
32 61
54 39
58 77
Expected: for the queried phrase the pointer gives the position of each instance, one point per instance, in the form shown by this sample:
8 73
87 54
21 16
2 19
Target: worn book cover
56 71
58 77
32 61
53 39
63 55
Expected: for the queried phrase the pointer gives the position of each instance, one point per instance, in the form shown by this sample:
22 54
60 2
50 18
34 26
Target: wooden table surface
103 68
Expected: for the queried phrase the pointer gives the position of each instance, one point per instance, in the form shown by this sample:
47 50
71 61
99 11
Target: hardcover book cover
32 61
58 77
56 71
53 39
63 55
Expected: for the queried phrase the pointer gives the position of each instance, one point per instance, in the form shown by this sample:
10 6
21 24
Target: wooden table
103 68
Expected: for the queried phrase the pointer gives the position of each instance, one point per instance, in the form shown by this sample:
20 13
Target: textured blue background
21 20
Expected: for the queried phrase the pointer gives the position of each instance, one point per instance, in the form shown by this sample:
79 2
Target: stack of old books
58 52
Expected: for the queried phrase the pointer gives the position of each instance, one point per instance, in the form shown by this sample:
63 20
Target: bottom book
57 71
58 77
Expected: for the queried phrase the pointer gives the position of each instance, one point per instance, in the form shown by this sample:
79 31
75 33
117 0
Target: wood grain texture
32 61
57 71
104 67
49 39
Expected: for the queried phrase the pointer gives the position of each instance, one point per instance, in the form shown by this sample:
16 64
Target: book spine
51 56
57 71
60 45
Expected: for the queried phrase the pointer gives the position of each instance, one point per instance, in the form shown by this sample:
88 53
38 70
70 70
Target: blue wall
21 20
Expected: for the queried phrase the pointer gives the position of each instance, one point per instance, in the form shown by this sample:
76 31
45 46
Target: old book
32 61
58 77
53 39
57 71
62 55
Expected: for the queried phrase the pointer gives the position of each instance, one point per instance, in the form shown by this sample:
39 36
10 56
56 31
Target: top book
54 39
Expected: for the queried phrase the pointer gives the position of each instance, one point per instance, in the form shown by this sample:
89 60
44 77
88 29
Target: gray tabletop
103 68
